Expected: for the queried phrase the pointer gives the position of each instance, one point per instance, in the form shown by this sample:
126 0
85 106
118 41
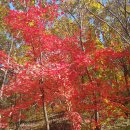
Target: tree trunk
96 120
44 108
46 116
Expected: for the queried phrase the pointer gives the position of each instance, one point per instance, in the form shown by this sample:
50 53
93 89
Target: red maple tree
79 75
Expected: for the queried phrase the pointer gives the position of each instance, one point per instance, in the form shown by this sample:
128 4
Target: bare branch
96 16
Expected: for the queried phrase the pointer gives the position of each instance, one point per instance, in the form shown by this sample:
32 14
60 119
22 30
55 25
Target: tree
75 68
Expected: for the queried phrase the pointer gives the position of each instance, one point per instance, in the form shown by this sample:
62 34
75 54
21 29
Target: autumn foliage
91 82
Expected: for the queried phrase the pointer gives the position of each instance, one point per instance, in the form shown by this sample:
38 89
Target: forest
64 64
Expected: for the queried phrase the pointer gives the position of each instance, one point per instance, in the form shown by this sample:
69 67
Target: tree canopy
64 64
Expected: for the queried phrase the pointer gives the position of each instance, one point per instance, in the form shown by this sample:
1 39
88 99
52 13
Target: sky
11 6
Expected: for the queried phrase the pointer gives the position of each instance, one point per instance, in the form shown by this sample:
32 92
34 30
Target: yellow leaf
106 100
31 23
